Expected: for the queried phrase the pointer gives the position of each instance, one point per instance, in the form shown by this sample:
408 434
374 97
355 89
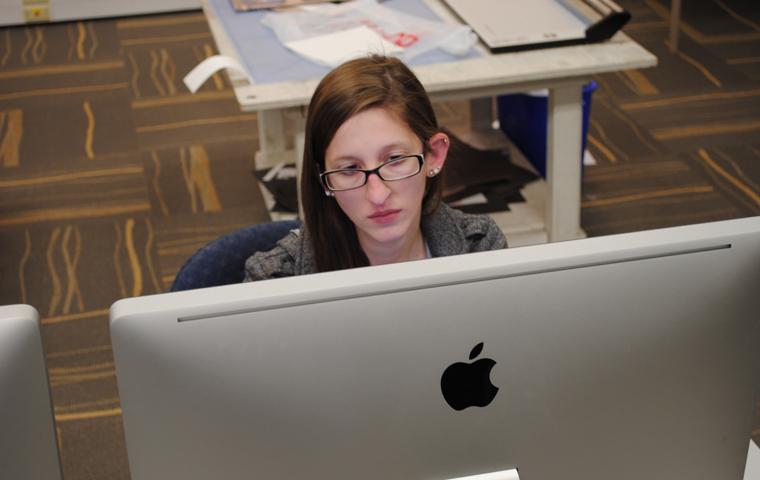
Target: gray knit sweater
447 232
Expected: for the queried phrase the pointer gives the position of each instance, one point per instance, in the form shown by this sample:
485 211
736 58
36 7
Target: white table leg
273 148
563 163
299 147
271 125
481 114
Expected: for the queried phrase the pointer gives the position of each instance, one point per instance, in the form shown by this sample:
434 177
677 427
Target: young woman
371 179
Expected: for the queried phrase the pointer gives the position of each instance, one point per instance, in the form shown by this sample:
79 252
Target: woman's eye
396 161
350 166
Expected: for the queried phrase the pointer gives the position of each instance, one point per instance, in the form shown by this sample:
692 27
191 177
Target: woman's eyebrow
343 158
385 150
395 146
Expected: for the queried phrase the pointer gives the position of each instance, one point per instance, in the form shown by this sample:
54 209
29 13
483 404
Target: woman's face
384 213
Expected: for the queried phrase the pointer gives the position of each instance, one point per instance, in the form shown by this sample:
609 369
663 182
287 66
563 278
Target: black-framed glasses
397 168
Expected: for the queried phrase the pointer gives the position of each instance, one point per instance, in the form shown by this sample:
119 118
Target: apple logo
469 384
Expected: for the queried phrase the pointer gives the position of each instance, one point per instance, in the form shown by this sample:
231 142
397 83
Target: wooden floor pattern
111 173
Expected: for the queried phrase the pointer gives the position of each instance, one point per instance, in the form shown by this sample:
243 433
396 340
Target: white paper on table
335 48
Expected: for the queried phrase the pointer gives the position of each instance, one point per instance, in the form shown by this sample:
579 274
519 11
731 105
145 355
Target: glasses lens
395 169
344 179
400 168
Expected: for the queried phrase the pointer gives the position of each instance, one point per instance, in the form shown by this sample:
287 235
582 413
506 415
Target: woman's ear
438 146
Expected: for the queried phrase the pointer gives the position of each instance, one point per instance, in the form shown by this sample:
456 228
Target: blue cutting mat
268 61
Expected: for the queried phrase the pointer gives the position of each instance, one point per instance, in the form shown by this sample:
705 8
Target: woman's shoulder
481 231
458 232
473 223
281 261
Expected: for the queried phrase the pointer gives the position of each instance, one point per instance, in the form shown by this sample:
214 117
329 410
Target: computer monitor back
625 357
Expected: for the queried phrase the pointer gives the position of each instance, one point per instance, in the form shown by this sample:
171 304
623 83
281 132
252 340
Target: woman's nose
377 190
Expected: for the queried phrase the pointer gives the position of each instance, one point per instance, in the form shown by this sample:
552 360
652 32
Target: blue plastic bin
523 118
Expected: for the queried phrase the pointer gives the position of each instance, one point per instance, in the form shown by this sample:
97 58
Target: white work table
562 71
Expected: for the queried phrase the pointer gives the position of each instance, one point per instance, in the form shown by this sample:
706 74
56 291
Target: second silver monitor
28 447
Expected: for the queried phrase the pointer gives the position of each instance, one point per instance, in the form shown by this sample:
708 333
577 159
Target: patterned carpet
679 143
111 173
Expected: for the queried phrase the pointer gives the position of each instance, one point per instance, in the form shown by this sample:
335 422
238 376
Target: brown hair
353 87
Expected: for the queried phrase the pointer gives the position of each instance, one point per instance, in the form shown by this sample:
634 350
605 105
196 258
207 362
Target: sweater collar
442 232
439 229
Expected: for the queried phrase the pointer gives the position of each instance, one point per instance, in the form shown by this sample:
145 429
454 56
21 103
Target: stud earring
433 172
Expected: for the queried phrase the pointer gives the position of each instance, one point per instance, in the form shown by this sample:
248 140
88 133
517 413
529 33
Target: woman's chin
387 234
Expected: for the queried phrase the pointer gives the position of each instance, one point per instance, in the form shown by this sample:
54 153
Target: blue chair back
222 261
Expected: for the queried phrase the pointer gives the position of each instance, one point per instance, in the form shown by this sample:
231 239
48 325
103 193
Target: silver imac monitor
28 447
629 356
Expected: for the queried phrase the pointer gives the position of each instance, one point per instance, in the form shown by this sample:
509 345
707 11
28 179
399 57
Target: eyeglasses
397 168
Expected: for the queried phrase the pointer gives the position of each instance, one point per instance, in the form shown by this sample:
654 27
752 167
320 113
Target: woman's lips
384 216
